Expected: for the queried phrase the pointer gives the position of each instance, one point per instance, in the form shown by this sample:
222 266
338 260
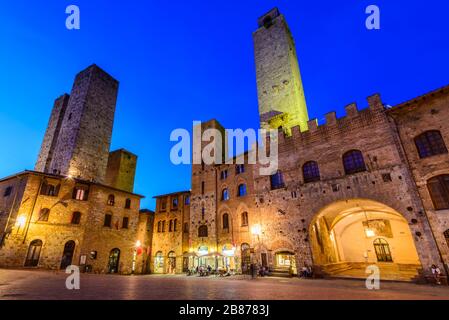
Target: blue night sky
179 61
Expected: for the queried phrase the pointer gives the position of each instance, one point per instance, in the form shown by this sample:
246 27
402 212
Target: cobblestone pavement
26 284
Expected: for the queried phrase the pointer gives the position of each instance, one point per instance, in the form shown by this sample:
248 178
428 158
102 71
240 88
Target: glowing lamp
370 233
138 243
21 221
256 230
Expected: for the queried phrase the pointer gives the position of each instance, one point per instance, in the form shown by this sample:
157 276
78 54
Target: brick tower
280 91
78 138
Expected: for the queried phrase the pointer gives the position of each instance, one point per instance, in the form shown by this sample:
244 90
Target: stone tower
121 170
280 91
204 197
51 134
81 140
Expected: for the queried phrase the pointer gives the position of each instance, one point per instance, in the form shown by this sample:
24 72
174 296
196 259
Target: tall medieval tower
280 91
204 194
78 136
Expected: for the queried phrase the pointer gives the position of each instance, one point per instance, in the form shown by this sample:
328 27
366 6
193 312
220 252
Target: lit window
80 193
111 200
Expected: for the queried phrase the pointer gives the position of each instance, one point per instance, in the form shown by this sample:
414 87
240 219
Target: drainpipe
11 210
30 215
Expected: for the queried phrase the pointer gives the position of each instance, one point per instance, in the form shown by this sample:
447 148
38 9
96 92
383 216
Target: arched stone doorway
171 267
349 235
114 260
34 253
67 255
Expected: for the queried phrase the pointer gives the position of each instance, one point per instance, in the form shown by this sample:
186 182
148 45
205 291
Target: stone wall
89 235
164 240
414 117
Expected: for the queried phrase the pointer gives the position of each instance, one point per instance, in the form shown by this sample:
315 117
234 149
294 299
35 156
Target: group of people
204 271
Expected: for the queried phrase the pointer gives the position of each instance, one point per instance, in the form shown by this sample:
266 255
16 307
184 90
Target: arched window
430 143
175 223
159 260
159 226
382 249
244 219
225 221
439 191
202 231
446 236
163 226
225 194
44 213
128 204
242 190
67 255
170 226
203 213
277 180
311 172
353 162
111 200
34 252
76 218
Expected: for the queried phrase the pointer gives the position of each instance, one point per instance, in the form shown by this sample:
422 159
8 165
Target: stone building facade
368 188
78 207
170 240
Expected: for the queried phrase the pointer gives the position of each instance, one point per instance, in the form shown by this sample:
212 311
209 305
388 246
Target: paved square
24 284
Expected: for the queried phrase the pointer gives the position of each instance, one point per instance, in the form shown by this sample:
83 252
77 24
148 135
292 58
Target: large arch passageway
349 235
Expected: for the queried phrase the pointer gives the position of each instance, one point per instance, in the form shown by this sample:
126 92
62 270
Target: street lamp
256 230
21 220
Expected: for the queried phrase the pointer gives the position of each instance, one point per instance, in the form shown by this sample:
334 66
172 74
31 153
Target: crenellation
331 118
375 102
351 110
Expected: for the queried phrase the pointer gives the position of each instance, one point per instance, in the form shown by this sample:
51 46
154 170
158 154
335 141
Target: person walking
436 272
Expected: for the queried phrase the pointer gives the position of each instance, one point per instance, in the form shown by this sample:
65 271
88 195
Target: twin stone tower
78 135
